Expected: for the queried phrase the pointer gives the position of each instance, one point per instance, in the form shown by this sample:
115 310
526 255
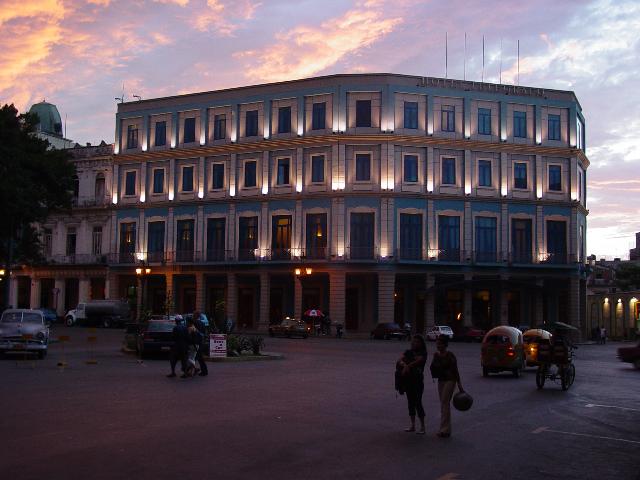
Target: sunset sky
78 54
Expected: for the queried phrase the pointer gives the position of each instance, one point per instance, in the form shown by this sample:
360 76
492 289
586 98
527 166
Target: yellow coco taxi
503 349
532 339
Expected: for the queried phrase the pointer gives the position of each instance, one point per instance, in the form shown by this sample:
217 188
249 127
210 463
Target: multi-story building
372 197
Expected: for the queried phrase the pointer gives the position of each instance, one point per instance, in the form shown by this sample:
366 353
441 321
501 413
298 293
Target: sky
79 54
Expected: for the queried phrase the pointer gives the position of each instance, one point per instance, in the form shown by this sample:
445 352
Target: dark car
155 336
390 330
471 334
630 355
290 327
50 315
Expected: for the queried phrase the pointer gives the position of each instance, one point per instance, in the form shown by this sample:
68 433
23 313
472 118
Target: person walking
411 366
444 367
194 341
179 348
197 321
603 335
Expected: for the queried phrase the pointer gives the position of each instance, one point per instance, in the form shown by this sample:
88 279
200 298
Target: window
155 242
187 179
284 120
99 192
71 241
361 233
484 121
580 134
317 168
448 171
555 178
158 180
316 235
363 113
449 238
521 241
130 183
448 118
219 127
250 174
247 237
47 241
161 134
251 123
486 239
556 241
484 173
363 167
411 115
96 240
410 236
215 239
283 172
127 242
281 237
217 176
520 175
76 188
132 136
410 168
319 116
520 124
189 130
554 127
184 240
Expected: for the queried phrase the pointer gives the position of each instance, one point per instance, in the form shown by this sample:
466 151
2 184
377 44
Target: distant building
634 253
50 126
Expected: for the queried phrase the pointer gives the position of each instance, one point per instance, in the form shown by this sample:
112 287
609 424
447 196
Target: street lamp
141 273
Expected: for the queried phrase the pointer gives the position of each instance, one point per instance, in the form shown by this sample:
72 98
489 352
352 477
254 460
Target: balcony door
362 235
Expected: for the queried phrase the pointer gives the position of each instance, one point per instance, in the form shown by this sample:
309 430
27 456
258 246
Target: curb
246 358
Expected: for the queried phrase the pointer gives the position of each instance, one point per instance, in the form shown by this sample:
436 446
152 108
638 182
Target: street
327 411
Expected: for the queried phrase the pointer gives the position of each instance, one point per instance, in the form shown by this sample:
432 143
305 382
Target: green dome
50 121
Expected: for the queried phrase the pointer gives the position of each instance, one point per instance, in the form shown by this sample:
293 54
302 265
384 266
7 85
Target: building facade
374 197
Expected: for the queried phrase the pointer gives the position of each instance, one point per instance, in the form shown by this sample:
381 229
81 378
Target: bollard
63 363
92 339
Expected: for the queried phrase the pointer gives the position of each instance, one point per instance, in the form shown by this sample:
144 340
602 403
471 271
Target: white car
434 332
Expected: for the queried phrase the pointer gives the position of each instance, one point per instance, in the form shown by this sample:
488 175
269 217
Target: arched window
99 189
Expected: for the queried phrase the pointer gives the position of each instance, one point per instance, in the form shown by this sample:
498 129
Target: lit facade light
143 197
300 131
171 195
504 190
200 193
299 187
147 271
232 191
144 147
430 186
606 300
141 256
308 271
298 271
265 189
138 271
114 198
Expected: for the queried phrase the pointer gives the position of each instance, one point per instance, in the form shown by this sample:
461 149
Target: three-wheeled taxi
532 339
503 350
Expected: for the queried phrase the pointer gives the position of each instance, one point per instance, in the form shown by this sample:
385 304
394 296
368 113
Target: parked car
434 332
154 336
105 313
630 355
532 339
390 330
50 315
502 349
203 319
473 334
23 330
290 327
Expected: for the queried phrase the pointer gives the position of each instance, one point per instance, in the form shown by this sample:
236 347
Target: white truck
105 313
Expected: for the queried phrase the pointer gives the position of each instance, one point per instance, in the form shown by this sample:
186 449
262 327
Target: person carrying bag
410 380
444 367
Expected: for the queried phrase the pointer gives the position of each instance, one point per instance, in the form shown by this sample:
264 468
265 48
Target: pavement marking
449 476
592 405
547 429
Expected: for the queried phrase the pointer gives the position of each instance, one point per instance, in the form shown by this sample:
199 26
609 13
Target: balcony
78 259
90 202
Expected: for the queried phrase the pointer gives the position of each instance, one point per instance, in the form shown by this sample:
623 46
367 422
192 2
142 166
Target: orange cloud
221 17
307 50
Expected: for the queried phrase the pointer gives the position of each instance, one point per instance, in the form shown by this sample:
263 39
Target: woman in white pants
444 367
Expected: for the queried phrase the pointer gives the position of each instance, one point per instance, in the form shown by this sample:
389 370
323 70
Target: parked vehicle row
24 330
103 313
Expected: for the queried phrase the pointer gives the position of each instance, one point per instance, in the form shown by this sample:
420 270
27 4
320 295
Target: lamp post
5 301
142 272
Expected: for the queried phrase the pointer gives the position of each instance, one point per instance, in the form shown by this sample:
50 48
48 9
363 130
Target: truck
105 313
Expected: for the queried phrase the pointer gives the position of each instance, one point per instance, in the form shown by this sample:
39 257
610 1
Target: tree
628 276
34 182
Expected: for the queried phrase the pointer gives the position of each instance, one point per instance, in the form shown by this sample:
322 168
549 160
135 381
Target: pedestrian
194 342
197 321
179 348
411 366
603 335
444 367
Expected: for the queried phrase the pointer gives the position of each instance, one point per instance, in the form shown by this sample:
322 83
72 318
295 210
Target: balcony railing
89 202
78 259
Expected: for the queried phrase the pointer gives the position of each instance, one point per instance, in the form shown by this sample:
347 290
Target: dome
49 116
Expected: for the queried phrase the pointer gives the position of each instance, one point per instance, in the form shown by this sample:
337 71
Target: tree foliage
34 182
628 276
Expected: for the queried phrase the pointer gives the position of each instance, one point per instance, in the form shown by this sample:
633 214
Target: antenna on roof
464 64
482 58
500 81
446 54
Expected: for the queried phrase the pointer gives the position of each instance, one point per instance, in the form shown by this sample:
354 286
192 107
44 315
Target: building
50 126
634 253
373 197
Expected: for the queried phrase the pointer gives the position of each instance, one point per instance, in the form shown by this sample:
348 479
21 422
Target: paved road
327 411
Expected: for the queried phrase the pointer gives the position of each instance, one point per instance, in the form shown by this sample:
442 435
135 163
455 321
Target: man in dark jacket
179 347
197 320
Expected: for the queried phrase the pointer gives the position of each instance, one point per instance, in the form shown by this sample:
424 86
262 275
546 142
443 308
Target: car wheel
636 363
540 377
485 372
69 321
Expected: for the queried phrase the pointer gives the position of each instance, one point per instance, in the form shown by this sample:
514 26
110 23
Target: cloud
307 50
224 18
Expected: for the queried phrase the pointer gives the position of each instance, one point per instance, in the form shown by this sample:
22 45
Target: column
504 234
430 115
297 298
384 247
111 286
143 181
430 302
84 290
200 291
34 300
139 283
539 176
467 316
503 121
298 228
58 296
503 300
467 172
299 169
467 117
538 124
430 170
337 282
574 302
265 296
467 254
169 296
145 133
504 174
386 287
232 297
538 305
540 244
232 175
